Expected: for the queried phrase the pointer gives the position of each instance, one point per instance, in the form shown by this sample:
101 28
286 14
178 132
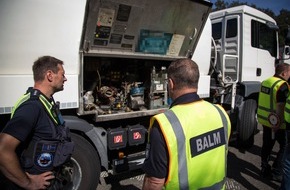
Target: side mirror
287 36
286 54
287 50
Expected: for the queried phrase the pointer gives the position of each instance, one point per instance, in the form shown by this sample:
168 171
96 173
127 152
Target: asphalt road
243 172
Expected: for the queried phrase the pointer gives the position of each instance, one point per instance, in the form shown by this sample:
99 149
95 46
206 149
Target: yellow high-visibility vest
267 102
287 110
196 135
47 105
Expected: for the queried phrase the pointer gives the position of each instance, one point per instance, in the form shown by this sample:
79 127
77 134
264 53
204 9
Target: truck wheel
85 165
247 124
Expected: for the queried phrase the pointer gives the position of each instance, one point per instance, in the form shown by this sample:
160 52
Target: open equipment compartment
118 88
126 48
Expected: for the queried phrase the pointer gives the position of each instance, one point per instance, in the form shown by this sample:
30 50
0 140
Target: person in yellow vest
270 114
188 144
31 153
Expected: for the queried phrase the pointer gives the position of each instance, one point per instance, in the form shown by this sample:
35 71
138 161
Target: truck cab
244 53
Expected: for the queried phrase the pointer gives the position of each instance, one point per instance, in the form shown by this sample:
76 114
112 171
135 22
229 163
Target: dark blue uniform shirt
30 122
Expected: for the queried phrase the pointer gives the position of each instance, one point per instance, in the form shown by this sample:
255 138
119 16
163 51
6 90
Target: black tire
85 164
247 124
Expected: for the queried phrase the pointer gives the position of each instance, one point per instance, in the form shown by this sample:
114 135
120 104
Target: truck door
264 41
225 32
231 49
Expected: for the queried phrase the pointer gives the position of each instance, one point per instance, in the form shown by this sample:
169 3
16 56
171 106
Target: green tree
283 21
220 4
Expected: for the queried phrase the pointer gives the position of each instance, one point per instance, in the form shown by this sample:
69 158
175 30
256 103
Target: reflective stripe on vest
48 105
267 100
287 110
24 98
179 159
182 163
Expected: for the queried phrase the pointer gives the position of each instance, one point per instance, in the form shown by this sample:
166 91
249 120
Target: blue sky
274 5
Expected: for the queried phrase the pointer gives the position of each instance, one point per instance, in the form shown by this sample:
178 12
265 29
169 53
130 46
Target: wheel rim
76 174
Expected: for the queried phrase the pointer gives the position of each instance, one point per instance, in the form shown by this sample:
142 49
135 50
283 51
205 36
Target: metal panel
115 27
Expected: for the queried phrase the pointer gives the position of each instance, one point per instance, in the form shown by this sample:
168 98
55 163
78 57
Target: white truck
116 53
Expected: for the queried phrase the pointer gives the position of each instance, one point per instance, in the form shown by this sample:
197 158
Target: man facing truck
184 145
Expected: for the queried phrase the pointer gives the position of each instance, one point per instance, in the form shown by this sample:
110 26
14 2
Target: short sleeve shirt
29 122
